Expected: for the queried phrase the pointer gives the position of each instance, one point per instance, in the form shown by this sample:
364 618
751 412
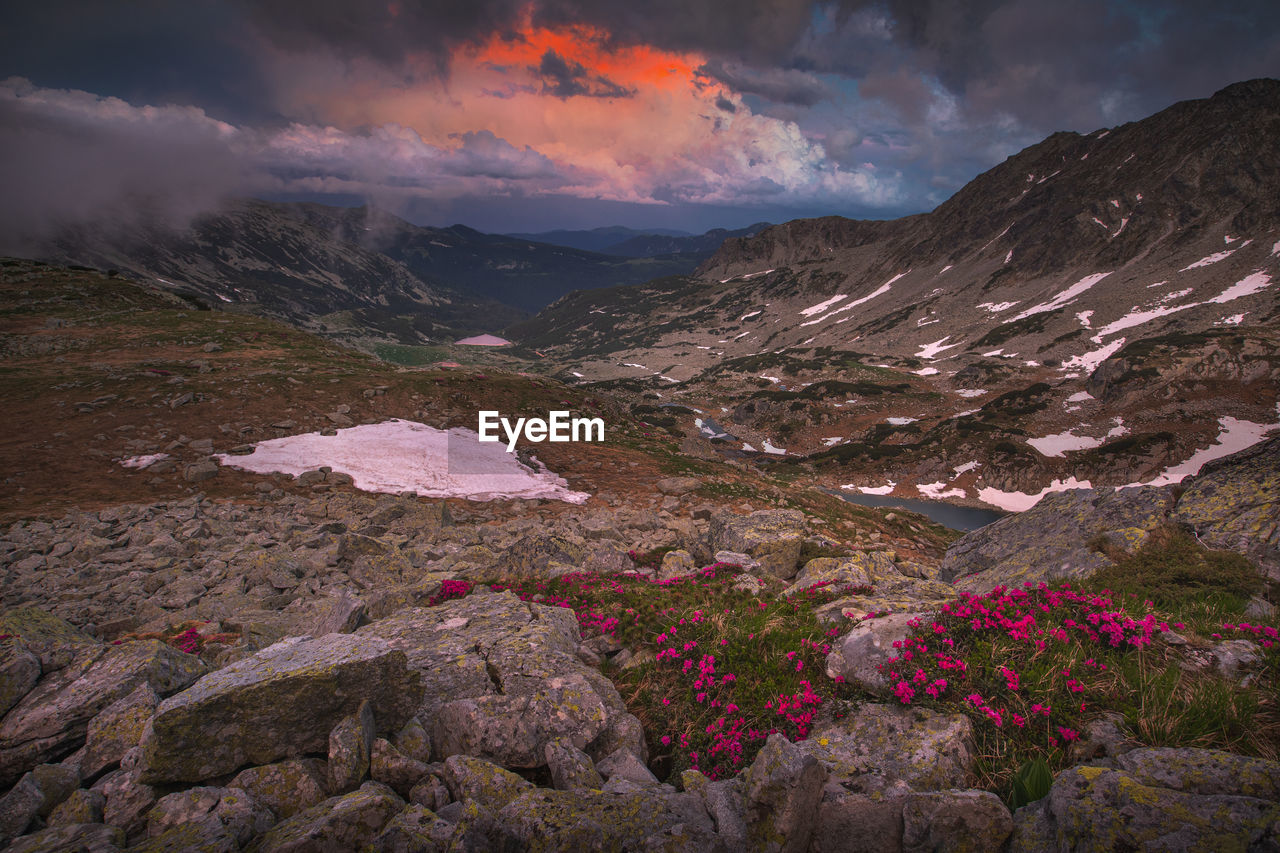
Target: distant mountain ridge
651 243
358 268
1116 289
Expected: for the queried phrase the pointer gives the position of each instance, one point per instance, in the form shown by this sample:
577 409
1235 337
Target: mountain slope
1127 273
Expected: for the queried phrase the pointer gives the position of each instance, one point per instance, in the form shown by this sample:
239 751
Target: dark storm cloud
782 85
566 79
387 31
68 158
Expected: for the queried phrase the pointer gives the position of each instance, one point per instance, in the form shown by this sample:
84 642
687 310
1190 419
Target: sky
530 115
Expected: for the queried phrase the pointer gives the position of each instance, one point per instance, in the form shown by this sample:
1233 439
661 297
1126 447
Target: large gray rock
1157 799
350 749
956 821
81 837
503 679
836 571
338 824
857 823
1234 502
545 819
287 787
1051 540
488 784
888 749
118 729
281 702
857 656
773 537
782 789
238 814
53 718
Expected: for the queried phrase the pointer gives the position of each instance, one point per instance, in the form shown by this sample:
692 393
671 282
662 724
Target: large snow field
402 456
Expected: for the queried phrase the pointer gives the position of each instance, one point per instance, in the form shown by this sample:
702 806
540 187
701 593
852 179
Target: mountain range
1087 309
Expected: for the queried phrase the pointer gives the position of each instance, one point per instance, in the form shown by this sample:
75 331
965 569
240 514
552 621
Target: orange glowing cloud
627 123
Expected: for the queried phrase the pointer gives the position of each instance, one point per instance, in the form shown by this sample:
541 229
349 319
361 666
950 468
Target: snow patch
752 314
1080 397
926 371
398 456
971 392
832 441
1233 320
1089 361
1246 286
932 350
777 451
939 490
886 489
879 291
1234 435
1084 318
1020 501
1209 259
483 341
1061 443
823 306
996 307
901 421
1063 297
968 466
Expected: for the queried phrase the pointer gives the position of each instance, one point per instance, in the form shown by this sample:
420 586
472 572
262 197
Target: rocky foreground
335 700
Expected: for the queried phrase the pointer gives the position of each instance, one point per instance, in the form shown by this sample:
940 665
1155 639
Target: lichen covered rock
1051 540
895 749
773 537
857 656
281 702
347 822
1166 799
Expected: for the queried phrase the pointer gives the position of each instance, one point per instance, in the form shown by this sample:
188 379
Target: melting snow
873 490
968 466
771 378
1080 397
993 353
1157 284
576 373
901 421
1275 250
1235 435
882 289
1233 320
832 441
1009 256
629 364
1210 259
932 350
1019 501
483 341
1083 317
752 314
397 456
926 371
1246 286
1058 445
144 461
971 392
1065 296
949 266
1089 361
745 276
939 490
777 451
996 307
823 306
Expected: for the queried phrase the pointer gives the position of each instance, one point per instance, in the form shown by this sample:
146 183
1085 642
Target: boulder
475 779
118 729
350 749
782 789
287 787
678 485
417 829
1157 799
773 537
237 813
857 656
82 806
545 819
1233 504
81 837
53 718
394 769
282 702
570 767
959 821
347 822
1051 540
857 823
502 679
837 571
886 749
545 555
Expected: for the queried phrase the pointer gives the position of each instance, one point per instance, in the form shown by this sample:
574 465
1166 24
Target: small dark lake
948 515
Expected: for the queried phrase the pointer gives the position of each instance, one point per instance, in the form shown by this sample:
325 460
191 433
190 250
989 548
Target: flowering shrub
727 669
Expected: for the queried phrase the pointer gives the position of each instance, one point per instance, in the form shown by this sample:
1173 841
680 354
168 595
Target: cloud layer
844 106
